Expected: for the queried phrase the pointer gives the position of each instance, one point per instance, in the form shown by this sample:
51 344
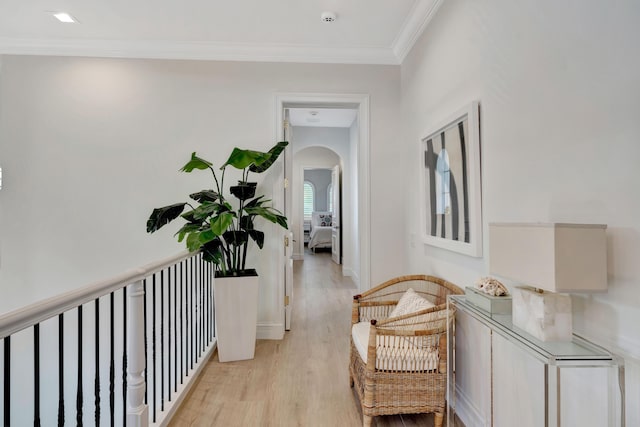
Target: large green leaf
236 238
212 251
241 159
207 236
196 163
205 196
203 211
187 228
193 241
256 202
221 223
282 221
163 216
225 207
259 211
246 222
189 217
258 237
274 152
270 214
206 210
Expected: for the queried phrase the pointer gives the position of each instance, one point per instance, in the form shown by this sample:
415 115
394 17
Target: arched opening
313 167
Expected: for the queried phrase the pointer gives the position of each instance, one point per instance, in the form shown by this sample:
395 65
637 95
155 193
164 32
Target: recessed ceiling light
328 17
64 17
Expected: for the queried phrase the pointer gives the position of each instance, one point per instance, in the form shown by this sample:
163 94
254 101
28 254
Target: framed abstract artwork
451 212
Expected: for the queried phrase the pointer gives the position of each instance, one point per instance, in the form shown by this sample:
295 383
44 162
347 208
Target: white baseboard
348 272
270 331
468 413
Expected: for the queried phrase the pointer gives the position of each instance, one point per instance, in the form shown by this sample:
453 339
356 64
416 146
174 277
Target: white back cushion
409 303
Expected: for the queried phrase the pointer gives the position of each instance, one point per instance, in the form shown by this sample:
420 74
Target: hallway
299 381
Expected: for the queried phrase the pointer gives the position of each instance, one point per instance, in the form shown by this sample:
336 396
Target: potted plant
222 230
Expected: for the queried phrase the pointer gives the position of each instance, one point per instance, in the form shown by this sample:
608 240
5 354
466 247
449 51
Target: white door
288 279
336 232
288 239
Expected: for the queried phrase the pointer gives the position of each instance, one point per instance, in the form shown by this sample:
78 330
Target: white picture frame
450 190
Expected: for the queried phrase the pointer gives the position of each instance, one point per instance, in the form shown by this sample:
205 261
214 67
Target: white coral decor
491 286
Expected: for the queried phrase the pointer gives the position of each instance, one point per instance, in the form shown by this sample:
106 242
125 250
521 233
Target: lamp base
546 315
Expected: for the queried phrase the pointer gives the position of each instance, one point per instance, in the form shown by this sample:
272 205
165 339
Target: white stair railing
134 343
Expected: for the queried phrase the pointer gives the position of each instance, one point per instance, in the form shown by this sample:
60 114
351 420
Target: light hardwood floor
302 380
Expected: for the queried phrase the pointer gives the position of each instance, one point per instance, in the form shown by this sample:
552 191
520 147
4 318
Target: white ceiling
366 31
322 117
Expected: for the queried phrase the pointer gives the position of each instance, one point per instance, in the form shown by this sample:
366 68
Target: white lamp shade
554 257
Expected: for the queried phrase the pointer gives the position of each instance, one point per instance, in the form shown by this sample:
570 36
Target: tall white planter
236 302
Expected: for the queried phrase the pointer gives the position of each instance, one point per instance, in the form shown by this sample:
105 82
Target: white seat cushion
396 353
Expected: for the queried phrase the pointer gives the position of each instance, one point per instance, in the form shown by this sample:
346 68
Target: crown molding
422 13
199 51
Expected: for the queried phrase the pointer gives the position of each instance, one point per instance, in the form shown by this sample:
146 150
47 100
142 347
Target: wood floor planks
302 380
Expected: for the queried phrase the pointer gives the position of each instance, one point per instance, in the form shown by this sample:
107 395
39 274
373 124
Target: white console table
501 376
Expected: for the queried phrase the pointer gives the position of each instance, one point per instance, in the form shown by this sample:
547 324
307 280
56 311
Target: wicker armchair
405 368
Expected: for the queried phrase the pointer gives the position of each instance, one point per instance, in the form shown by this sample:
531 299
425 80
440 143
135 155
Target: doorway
323 166
359 159
314 202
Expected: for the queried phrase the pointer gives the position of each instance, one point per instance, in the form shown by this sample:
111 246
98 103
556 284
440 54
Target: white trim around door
359 102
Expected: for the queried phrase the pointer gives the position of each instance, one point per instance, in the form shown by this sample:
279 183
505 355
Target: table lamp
551 260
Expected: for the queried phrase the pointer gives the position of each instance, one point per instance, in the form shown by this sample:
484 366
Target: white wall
335 139
89 146
559 88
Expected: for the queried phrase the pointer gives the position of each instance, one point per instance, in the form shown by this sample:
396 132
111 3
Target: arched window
308 200
330 198
443 184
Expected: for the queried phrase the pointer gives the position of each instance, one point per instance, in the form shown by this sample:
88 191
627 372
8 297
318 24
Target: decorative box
489 303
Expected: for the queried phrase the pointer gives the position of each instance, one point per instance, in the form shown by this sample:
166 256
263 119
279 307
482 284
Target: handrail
37 312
